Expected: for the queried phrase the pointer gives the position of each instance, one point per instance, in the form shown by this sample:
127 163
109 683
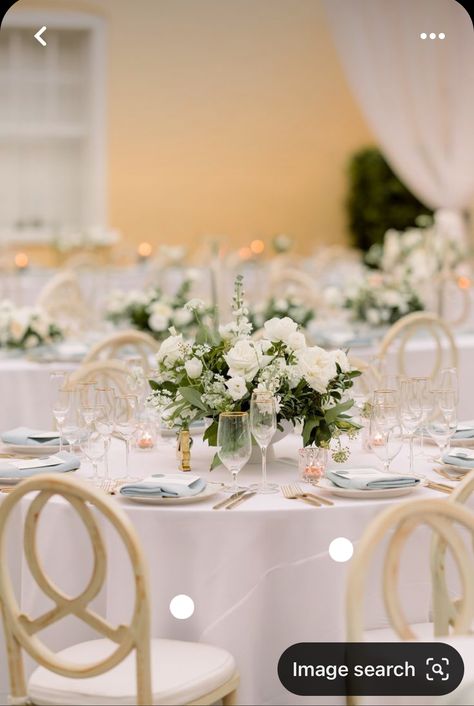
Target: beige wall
227 117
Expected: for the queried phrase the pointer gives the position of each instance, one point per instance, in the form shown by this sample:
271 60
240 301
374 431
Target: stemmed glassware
411 412
385 435
263 424
61 403
71 427
234 444
93 446
442 421
105 418
125 424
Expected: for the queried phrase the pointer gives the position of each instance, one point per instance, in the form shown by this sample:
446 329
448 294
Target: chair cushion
464 644
181 672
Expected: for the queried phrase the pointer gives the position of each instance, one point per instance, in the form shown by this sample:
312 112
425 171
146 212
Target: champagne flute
263 425
411 412
125 424
60 411
234 444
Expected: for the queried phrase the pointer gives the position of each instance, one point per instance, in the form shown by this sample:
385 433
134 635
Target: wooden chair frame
20 630
440 516
290 276
367 370
62 295
142 342
113 372
408 326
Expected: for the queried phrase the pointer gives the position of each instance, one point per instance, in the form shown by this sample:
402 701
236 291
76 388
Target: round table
260 575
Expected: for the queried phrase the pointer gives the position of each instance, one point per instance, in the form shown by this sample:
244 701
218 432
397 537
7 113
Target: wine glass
71 428
422 387
263 425
385 436
104 423
234 444
440 425
385 396
86 393
448 380
411 412
125 424
93 446
60 411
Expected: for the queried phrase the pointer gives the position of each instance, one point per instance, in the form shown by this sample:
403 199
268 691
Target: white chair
124 666
398 522
106 373
370 379
61 298
291 280
137 343
401 333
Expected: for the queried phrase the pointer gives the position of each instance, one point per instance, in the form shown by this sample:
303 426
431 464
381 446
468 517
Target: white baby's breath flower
195 305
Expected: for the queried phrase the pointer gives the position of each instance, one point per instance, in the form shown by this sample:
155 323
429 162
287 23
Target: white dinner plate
33 450
15 481
374 494
204 495
459 469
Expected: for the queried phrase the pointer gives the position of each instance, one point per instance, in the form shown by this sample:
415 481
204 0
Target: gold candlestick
184 450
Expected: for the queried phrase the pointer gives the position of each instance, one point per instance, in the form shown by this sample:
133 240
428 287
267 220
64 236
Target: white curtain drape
417 94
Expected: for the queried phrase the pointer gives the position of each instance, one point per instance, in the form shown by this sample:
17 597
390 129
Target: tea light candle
314 471
144 251
21 261
145 441
378 440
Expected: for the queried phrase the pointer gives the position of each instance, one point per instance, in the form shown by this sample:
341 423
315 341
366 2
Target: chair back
21 630
62 299
399 522
137 343
370 379
106 373
411 325
291 280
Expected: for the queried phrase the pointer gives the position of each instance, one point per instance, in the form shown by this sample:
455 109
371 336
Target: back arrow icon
39 37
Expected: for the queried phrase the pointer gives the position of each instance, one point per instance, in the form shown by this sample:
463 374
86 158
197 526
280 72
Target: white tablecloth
260 575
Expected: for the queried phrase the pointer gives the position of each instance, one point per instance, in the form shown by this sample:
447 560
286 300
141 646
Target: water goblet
60 410
125 424
385 436
93 446
263 426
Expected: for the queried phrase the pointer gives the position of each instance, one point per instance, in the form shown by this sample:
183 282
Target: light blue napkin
24 436
465 432
70 463
460 457
368 479
172 485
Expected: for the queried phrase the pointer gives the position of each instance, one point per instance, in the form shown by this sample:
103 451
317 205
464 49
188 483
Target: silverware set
294 492
234 500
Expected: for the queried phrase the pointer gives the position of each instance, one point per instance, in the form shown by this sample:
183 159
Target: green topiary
377 199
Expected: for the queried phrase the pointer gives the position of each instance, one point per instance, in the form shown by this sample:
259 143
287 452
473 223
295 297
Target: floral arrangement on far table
218 371
152 311
379 301
288 305
26 327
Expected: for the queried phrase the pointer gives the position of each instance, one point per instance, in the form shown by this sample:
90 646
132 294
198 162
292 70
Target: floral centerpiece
218 371
92 238
290 305
26 327
152 311
379 301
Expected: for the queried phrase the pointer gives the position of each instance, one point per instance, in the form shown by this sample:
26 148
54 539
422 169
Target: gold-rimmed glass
234 444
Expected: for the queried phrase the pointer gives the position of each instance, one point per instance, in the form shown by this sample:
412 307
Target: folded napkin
368 479
24 436
19 468
460 457
465 431
170 485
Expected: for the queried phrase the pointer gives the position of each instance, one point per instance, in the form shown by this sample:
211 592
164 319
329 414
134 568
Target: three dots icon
432 35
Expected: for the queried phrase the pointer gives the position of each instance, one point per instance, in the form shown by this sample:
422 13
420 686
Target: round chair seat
182 672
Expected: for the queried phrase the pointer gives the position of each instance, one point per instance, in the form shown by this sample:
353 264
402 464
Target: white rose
244 359
373 317
237 387
280 329
157 322
341 359
317 367
228 331
296 341
193 368
294 375
171 350
182 317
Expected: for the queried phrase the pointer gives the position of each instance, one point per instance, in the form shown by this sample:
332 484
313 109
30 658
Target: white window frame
94 181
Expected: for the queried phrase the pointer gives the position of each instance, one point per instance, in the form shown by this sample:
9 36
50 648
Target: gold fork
290 494
319 498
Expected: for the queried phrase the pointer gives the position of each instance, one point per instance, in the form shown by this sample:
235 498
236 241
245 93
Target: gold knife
231 498
244 496
325 501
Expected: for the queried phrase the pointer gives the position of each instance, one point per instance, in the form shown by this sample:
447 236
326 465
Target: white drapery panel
417 94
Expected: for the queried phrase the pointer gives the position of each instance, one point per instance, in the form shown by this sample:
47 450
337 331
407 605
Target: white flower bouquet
153 312
289 305
219 371
26 327
91 238
379 300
